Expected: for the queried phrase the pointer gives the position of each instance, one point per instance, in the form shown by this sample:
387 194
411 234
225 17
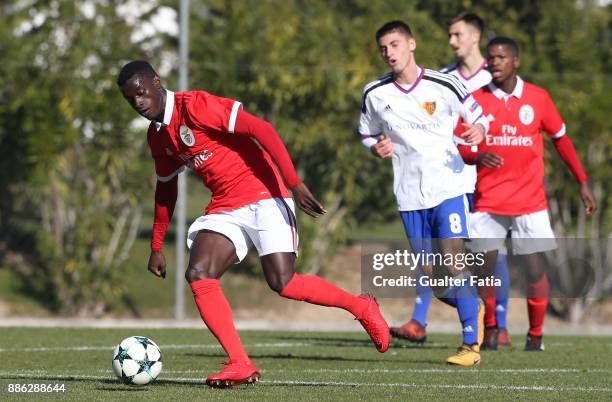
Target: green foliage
71 196
75 168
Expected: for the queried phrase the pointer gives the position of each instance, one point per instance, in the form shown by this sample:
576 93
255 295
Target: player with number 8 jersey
408 116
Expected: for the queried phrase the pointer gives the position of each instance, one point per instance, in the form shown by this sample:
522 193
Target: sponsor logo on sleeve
474 106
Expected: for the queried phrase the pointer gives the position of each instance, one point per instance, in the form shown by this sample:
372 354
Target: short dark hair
470 19
137 67
505 41
393 26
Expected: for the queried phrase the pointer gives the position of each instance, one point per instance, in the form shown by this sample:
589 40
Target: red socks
537 301
217 315
488 294
315 290
490 318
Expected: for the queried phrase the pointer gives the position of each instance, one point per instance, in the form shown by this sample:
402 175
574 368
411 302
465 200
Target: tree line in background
76 170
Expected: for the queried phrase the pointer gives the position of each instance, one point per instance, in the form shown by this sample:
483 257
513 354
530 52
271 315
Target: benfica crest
187 136
430 107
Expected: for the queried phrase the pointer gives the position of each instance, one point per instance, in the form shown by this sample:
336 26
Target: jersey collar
402 88
517 92
482 67
168 110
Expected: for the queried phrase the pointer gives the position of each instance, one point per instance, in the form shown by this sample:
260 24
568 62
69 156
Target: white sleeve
369 123
463 103
472 112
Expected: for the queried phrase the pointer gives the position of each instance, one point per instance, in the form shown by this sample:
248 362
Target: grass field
312 366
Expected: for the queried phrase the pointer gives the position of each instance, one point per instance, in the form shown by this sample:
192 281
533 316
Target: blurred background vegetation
77 179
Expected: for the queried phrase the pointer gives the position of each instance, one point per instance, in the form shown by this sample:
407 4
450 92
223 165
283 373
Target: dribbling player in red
250 205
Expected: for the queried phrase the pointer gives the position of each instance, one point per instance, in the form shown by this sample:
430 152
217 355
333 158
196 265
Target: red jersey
200 136
516 121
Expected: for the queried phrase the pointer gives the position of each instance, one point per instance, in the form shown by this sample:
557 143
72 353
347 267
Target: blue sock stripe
421 305
503 292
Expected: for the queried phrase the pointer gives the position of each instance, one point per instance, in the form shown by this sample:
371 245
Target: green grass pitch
305 366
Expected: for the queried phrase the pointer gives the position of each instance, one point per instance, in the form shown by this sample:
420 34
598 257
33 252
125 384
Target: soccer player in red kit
250 205
512 195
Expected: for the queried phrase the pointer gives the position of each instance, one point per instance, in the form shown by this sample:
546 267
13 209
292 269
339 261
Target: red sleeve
264 133
568 153
468 155
165 200
165 167
552 122
166 170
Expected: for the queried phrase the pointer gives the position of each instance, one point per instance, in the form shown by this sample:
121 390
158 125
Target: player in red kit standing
513 195
250 205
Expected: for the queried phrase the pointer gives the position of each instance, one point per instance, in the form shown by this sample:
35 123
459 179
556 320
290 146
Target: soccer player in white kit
464 35
408 116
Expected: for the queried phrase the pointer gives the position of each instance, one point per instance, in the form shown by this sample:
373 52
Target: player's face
396 49
145 95
463 39
502 63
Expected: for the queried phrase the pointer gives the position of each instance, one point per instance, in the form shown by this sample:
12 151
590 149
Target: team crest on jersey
430 107
526 114
187 136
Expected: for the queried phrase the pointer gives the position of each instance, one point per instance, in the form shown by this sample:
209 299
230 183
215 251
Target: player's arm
165 200
471 155
268 138
379 145
554 126
480 158
370 131
475 124
565 148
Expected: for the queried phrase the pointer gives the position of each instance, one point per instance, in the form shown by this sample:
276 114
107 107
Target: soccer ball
137 360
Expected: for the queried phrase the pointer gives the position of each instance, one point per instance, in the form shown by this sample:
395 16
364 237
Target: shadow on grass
351 342
284 356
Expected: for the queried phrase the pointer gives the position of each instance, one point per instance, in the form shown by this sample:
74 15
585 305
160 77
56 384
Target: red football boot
503 338
412 331
374 324
491 339
234 373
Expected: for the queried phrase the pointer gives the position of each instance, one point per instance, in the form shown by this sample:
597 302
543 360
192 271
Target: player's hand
307 202
588 198
474 133
489 159
157 264
383 148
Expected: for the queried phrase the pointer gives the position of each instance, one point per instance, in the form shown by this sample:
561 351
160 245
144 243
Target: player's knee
278 282
203 269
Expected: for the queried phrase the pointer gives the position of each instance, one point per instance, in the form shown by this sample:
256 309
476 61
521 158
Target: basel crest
430 107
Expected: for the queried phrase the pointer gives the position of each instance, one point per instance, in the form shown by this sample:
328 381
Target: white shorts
268 224
531 233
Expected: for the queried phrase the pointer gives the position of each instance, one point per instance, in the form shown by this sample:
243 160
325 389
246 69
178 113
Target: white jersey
427 167
473 82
